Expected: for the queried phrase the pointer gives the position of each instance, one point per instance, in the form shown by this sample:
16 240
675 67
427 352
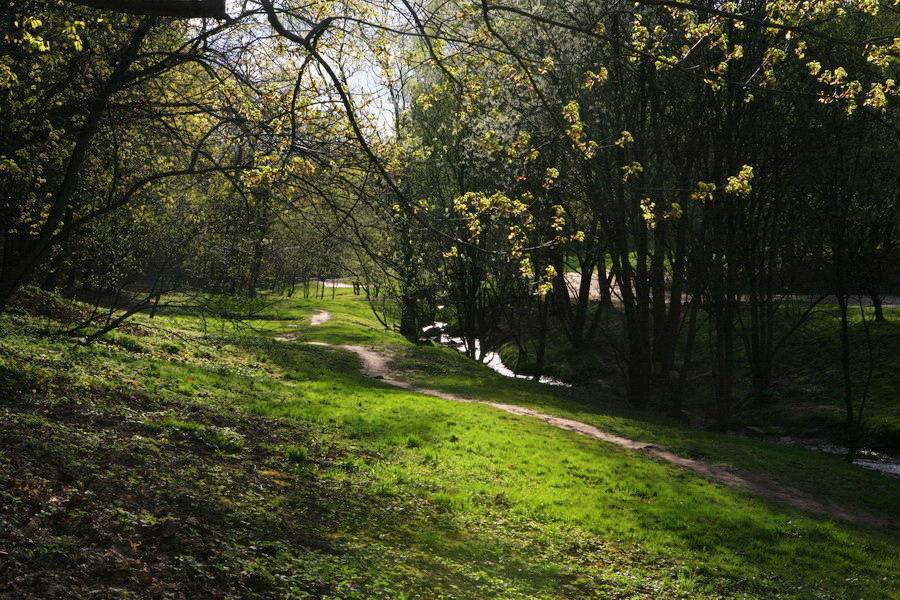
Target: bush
297 454
884 433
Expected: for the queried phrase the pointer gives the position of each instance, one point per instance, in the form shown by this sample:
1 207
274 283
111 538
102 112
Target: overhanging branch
185 9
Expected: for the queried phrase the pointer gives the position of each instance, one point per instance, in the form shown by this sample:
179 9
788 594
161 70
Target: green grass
415 496
793 466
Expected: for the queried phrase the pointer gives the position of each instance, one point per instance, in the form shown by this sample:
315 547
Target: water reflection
491 359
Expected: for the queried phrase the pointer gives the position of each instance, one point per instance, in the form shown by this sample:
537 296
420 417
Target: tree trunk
639 360
156 299
582 304
847 377
877 302
724 369
540 353
638 374
603 281
409 327
677 395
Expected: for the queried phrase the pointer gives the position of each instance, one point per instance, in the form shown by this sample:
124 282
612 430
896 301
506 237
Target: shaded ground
103 496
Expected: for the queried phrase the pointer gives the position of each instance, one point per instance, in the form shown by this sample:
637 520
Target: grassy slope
361 489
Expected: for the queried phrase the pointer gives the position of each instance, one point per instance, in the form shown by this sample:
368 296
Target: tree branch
184 9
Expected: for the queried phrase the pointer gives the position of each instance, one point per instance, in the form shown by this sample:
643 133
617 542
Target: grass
318 482
793 466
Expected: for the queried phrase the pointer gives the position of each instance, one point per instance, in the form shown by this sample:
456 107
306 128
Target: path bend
377 365
323 316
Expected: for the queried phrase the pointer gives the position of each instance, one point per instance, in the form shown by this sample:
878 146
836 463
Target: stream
868 459
491 359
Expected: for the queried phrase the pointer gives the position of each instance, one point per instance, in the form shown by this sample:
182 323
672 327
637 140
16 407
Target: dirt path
320 317
377 366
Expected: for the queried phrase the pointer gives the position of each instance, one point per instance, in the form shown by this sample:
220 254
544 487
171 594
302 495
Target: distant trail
320 317
573 282
317 319
376 365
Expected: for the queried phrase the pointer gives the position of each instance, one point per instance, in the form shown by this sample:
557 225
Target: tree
100 80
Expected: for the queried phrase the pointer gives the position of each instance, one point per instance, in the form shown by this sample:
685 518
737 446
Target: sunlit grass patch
411 494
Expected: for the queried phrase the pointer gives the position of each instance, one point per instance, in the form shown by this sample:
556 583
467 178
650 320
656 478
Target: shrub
297 454
884 432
